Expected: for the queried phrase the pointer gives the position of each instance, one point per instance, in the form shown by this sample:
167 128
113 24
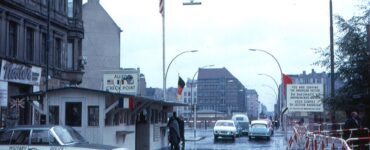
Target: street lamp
168 67
192 100
281 74
271 89
277 85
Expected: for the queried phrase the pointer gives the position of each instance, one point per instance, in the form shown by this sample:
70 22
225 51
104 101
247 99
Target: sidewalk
200 134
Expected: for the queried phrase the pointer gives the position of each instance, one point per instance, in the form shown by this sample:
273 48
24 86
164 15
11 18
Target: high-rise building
251 97
219 90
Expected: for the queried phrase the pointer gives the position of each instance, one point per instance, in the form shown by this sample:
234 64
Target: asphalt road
276 142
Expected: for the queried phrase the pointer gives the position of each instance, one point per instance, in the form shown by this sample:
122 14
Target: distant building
190 89
101 45
154 93
251 97
219 90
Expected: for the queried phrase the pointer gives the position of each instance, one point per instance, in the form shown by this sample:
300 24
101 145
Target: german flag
181 85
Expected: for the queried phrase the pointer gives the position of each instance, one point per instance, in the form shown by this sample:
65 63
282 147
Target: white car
260 128
225 128
47 138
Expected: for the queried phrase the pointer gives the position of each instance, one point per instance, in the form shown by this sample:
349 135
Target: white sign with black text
121 83
305 97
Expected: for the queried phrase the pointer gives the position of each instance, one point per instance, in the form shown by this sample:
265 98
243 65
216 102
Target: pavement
189 134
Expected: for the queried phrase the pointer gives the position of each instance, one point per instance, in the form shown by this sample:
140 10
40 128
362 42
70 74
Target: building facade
189 95
28 50
101 45
251 97
219 90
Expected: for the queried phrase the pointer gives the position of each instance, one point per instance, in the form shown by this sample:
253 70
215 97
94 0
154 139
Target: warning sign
305 97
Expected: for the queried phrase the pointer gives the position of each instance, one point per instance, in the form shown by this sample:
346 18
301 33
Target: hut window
93 119
73 114
54 115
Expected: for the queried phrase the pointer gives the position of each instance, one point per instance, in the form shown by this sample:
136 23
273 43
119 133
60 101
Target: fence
321 138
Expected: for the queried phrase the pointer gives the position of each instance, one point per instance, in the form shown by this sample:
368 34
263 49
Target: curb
195 139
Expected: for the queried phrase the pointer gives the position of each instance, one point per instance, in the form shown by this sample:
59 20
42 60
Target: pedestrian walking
174 132
182 129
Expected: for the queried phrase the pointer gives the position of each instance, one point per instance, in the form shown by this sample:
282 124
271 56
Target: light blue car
260 128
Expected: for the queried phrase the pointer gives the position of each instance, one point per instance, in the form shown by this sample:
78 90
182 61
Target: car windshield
259 126
228 124
68 135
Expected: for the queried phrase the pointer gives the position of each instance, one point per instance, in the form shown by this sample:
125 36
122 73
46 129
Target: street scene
184 74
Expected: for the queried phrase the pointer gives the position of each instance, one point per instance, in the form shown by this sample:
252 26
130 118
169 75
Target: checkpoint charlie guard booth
108 118
112 116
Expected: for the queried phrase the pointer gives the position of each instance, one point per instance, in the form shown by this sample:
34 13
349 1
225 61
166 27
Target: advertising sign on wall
20 73
123 82
305 97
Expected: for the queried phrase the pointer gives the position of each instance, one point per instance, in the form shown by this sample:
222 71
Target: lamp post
277 87
168 67
281 74
193 102
271 89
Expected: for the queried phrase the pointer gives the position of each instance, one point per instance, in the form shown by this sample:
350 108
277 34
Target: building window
93 116
70 8
58 52
70 55
54 115
30 44
12 39
43 48
73 114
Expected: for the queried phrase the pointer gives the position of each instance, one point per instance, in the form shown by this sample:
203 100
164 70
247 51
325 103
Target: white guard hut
110 118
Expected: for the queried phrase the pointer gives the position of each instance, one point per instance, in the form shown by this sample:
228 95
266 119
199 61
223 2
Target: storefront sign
121 83
305 97
3 93
19 73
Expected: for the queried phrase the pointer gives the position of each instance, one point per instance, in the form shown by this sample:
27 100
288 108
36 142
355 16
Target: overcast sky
223 31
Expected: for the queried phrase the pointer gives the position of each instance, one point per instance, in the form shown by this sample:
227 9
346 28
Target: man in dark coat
174 134
353 122
180 120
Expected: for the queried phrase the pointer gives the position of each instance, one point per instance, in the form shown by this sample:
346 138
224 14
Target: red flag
286 80
181 85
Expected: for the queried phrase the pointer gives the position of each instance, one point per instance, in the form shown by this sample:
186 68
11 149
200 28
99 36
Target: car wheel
215 137
233 138
268 138
249 138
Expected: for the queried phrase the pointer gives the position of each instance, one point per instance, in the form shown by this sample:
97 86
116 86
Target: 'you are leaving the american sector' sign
305 97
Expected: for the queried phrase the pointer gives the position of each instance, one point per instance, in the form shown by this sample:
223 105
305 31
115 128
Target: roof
259 122
137 98
214 73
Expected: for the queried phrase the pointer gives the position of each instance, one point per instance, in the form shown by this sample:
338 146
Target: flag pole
162 10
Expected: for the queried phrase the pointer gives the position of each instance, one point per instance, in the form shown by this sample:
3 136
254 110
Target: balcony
74 76
75 27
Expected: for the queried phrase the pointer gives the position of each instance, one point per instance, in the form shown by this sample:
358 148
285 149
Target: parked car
225 128
260 128
243 122
46 138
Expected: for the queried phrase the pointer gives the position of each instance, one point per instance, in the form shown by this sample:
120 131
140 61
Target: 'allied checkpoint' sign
305 97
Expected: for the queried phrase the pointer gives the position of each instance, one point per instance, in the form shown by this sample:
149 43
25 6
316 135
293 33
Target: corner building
23 54
219 90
